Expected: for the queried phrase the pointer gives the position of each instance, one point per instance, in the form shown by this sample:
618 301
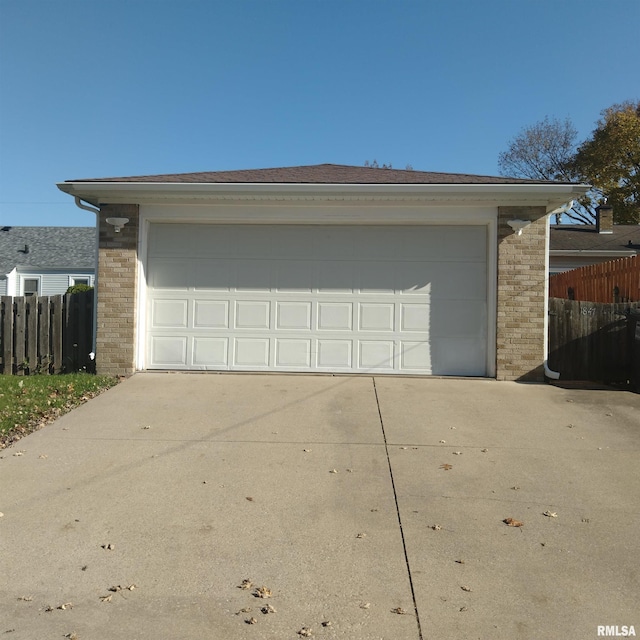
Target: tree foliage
546 151
610 160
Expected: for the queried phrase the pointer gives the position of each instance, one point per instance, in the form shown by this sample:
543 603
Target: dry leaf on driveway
305 632
512 522
446 466
246 584
550 514
399 610
262 592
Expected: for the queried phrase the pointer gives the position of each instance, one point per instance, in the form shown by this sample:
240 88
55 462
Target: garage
317 298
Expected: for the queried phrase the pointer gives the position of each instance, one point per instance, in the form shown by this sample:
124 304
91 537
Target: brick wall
521 295
117 272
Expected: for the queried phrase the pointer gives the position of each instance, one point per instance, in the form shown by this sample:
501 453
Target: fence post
56 333
44 316
7 335
32 304
20 328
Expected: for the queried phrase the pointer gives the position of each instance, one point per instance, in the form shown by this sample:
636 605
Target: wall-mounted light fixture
518 225
118 223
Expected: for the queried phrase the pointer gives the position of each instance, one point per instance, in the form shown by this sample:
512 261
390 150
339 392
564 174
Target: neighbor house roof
579 237
321 174
47 248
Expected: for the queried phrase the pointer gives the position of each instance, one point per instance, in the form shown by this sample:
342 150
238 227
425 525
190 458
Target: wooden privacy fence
590 340
46 334
613 281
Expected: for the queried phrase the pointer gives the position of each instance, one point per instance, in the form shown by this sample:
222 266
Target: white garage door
318 298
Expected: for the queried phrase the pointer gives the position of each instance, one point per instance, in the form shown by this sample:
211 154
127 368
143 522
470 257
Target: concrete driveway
367 507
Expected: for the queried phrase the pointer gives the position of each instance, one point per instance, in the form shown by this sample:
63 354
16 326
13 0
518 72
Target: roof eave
593 253
98 193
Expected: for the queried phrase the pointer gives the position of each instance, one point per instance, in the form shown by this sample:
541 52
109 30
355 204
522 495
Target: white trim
318 214
549 195
73 276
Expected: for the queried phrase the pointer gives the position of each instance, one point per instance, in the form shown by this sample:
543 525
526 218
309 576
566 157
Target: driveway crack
395 497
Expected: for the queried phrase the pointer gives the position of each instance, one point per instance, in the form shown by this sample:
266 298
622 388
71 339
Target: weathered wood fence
612 281
46 334
590 340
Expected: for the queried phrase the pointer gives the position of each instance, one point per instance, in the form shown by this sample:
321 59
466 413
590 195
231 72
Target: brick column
117 295
521 295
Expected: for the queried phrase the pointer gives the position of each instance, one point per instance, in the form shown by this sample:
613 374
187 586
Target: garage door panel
376 317
310 298
170 274
254 275
335 354
211 314
336 277
169 351
211 275
335 316
293 353
251 352
376 277
295 276
169 314
252 314
293 316
210 352
376 354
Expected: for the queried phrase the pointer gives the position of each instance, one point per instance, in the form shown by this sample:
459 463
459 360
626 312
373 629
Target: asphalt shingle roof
322 174
47 247
578 237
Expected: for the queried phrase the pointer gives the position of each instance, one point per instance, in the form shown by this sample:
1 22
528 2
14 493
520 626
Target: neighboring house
578 245
324 269
45 260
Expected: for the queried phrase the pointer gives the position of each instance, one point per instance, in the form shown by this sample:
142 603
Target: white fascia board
592 253
550 196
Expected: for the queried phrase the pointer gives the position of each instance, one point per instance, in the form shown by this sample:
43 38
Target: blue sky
98 88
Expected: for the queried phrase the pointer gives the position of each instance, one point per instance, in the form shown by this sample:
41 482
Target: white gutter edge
593 253
79 204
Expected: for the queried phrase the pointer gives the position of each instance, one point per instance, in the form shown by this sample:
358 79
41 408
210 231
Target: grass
28 403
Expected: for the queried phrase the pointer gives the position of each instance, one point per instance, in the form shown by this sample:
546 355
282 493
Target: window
75 281
30 286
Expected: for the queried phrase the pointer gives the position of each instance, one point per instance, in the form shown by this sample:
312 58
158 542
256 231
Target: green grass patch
28 403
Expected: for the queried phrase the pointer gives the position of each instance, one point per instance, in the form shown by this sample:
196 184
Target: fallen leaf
147 427
43 456
85 567
366 605
361 535
249 498
399 610
436 527
66 605
131 587
108 547
403 447
26 598
48 609
326 623
446 466
72 636
246 584
243 610
466 588
550 514
262 592
268 609
305 632
443 442
516 488
349 470
457 453
251 621
333 471
484 450
586 520
307 450
115 588
463 608
106 598
511 522
459 561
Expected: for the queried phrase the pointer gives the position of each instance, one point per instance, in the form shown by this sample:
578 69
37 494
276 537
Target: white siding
3 286
51 282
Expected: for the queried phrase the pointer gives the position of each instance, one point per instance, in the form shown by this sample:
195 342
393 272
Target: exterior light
518 225
118 223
